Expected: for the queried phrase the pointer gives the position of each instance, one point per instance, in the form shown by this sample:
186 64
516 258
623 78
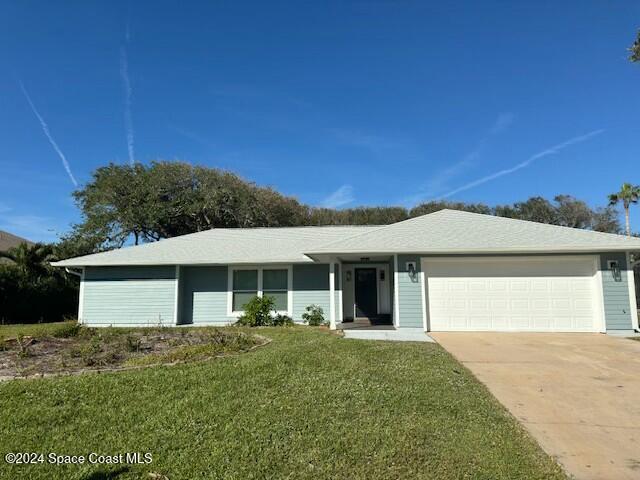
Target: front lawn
35 329
308 405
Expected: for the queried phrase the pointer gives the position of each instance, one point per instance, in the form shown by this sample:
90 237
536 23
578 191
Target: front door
366 293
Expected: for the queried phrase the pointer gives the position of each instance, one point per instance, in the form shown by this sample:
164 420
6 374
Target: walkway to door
577 394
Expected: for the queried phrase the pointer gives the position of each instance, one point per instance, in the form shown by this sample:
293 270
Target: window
245 287
246 283
274 284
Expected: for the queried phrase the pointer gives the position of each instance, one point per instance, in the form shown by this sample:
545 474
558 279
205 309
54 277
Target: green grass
307 406
54 329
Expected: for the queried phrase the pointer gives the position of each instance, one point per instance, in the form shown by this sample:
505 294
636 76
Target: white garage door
522 294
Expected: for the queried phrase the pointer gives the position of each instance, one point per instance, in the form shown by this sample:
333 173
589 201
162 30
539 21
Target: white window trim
260 269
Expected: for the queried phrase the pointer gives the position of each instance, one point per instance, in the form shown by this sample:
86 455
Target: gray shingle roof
223 246
446 231
453 231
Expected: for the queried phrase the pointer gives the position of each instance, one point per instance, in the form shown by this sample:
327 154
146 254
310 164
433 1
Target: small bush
23 345
133 343
257 313
66 330
282 321
314 316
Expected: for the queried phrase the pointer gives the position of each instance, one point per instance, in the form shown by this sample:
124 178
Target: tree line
143 203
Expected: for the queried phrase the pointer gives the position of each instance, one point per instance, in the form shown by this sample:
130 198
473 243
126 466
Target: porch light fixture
348 275
614 266
411 269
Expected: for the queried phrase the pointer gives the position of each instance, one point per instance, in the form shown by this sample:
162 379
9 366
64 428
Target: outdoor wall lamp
614 266
411 269
348 275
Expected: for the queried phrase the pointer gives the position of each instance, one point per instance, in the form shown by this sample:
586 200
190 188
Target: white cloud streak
507 171
128 94
438 182
341 197
47 133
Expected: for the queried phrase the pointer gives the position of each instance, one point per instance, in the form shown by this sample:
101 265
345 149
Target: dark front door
366 293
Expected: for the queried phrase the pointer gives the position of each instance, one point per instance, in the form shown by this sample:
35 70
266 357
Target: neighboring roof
223 246
454 231
9 240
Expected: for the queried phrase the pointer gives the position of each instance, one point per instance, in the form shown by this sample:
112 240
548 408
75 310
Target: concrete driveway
577 394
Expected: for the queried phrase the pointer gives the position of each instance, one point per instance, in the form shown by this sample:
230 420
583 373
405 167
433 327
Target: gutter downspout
72 272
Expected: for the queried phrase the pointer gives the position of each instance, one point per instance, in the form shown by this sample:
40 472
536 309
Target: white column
332 295
423 286
81 297
340 307
632 293
396 289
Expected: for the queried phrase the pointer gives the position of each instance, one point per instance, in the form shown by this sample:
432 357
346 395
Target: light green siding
310 287
128 296
409 294
204 295
617 307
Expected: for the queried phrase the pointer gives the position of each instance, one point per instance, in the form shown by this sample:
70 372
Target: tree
435 206
535 209
634 55
31 290
144 203
627 195
606 220
31 260
573 213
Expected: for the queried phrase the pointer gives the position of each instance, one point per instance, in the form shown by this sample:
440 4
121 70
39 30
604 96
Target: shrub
314 316
257 313
260 312
282 320
66 330
133 343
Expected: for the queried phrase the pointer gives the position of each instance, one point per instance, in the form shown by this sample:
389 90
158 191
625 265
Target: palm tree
628 194
32 259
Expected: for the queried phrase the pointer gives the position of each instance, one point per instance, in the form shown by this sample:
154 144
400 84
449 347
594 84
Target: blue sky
338 103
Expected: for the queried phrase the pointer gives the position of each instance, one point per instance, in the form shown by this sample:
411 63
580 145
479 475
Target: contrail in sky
544 153
128 92
45 129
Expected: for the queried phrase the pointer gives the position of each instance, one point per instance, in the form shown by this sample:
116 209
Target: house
448 270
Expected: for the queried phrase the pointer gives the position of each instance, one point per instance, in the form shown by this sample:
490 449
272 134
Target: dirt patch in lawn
83 349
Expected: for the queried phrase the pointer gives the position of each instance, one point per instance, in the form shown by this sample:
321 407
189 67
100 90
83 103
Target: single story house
444 271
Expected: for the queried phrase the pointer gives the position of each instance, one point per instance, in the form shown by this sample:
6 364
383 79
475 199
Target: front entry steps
397 335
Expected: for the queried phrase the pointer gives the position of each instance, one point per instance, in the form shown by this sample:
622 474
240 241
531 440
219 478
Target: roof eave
70 264
467 251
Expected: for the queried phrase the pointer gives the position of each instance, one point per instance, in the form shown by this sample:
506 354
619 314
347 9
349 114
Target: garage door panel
523 294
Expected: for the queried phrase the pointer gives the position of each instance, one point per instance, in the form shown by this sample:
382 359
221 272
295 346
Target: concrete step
399 335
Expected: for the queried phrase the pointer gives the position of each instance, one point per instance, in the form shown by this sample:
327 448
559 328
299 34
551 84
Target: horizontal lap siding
409 293
204 295
131 296
617 307
310 287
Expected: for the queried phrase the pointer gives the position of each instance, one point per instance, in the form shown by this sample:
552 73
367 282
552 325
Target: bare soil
114 349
